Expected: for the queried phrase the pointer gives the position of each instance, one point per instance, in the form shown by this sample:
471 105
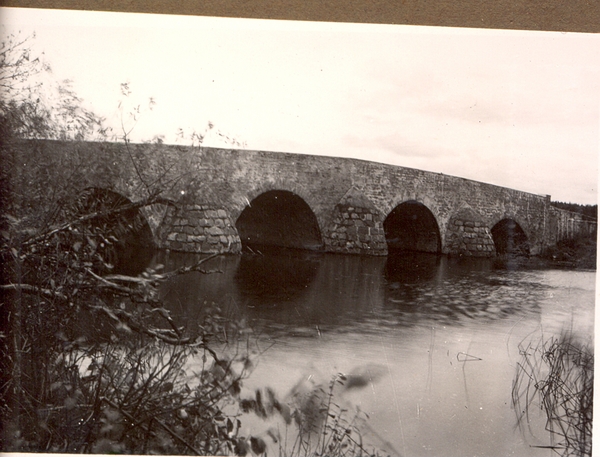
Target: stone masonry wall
470 239
229 179
201 229
467 235
356 230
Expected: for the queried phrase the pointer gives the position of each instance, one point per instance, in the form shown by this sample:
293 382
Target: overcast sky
513 108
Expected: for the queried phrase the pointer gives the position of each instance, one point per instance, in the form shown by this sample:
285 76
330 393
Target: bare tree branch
29 289
146 202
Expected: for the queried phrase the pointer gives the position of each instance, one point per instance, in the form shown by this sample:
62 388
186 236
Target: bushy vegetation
92 361
557 376
579 252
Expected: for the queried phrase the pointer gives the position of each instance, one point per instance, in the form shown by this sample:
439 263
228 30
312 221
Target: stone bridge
226 200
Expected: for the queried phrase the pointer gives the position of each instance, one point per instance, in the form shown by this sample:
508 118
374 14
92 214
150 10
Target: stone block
221 213
215 231
362 231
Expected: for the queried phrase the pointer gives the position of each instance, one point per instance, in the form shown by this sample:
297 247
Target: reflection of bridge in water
226 200
315 292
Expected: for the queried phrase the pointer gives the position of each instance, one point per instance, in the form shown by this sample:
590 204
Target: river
436 340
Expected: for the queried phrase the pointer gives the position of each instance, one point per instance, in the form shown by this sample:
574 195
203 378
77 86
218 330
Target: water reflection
299 293
447 291
411 267
277 278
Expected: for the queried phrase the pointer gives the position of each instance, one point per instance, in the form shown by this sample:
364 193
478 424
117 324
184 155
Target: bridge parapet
569 225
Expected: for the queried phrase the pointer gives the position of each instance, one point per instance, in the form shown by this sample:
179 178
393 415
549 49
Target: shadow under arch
510 238
127 242
411 267
411 226
278 218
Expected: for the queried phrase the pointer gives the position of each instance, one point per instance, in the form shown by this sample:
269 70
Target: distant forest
590 211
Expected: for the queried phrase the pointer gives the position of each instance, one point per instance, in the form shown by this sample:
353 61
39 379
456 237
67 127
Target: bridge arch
127 240
510 238
411 226
279 218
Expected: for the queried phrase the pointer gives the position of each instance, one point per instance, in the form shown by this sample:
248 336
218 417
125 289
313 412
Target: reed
556 375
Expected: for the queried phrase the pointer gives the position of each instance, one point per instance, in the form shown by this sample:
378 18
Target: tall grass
557 376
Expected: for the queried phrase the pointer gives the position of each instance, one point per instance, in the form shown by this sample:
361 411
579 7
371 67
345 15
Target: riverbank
574 254
577 253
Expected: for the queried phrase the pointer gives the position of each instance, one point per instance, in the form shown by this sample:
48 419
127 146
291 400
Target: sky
519 109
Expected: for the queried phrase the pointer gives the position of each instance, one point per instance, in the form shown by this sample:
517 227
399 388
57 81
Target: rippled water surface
438 339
